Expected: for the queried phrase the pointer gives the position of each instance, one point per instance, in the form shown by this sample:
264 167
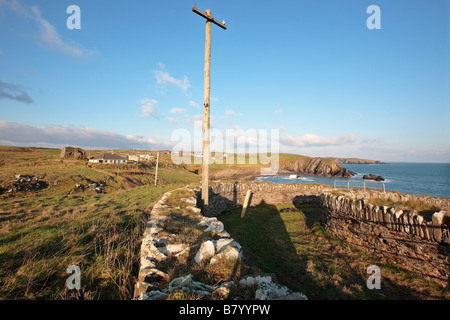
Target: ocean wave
357 175
290 177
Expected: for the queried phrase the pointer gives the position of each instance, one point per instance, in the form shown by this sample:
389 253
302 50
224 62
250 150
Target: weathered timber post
206 105
247 199
157 164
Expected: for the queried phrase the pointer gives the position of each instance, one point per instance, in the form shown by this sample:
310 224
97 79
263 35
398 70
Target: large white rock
205 221
216 226
221 244
172 249
438 217
149 250
206 251
230 253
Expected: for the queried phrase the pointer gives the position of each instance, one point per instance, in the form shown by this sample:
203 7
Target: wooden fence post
247 198
156 174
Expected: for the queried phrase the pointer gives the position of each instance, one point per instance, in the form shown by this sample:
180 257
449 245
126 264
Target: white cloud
194 104
18 134
163 78
47 36
171 120
148 107
278 111
230 112
178 110
308 140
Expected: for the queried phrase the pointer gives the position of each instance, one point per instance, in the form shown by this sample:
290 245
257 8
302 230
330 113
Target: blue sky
133 74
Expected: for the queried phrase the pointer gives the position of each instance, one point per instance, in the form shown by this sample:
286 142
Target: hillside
55 213
356 161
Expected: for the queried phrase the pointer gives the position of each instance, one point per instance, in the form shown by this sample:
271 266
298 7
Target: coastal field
47 227
62 212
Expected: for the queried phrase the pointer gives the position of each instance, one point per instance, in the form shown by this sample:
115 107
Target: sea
414 178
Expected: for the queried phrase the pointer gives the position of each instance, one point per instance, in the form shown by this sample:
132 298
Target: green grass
102 236
291 242
44 232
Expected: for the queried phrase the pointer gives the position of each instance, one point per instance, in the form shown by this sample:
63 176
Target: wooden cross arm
204 15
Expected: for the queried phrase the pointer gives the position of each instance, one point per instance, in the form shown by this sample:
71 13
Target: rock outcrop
316 166
373 177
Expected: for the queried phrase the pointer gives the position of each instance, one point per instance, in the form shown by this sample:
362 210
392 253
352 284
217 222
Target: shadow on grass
289 241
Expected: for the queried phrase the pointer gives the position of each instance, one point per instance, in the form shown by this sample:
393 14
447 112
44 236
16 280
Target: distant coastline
356 161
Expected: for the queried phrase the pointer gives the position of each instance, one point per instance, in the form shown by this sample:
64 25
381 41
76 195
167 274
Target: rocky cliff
315 166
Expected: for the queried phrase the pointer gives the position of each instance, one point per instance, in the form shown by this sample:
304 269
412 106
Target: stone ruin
73 153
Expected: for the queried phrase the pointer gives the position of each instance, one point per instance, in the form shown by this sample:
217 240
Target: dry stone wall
227 195
286 192
162 243
402 237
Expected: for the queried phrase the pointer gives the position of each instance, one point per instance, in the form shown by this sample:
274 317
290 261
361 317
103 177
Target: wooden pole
157 164
206 104
206 115
247 198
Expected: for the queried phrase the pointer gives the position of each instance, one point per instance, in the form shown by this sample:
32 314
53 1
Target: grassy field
290 242
42 232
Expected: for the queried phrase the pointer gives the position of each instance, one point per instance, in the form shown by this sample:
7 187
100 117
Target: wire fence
359 184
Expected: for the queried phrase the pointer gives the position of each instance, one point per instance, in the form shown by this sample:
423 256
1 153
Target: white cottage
109 158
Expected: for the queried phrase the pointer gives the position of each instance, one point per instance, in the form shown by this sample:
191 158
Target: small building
109 158
147 157
133 158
